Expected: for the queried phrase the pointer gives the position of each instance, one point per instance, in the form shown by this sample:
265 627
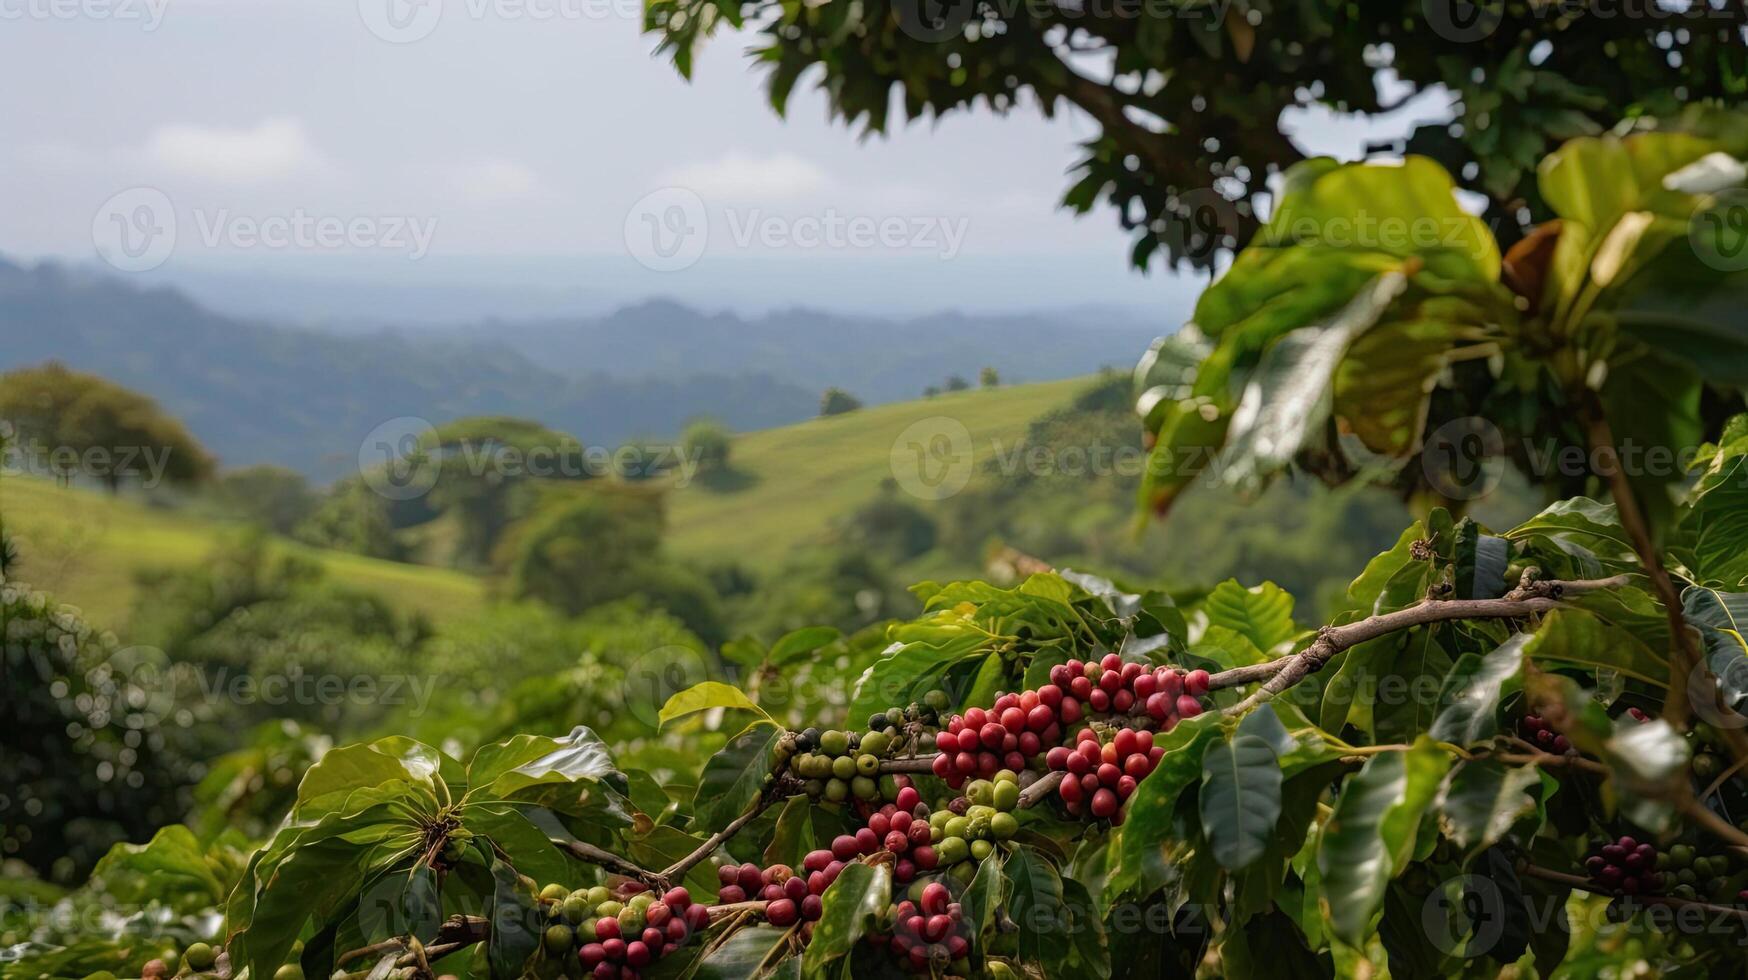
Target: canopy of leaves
1191 100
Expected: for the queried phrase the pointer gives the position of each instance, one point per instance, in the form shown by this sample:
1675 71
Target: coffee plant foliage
1513 751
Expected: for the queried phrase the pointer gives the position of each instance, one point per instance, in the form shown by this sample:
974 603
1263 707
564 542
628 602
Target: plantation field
787 484
85 547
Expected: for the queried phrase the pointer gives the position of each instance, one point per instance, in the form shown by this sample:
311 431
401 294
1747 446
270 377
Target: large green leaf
1473 690
1262 614
1573 636
1722 618
1481 800
1370 837
1148 844
1240 799
1290 395
171 868
1409 675
796 645
1609 194
752 953
516 924
1586 532
1403 209
393 761
850 908
1716 516
574 774
518 835
986 893
736 775
1058 926
707 695
1648 765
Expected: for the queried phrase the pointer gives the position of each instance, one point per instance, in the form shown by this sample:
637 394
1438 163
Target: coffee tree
1517 751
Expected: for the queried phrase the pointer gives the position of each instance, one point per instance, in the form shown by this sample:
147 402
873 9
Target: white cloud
271 149
494 180
743 177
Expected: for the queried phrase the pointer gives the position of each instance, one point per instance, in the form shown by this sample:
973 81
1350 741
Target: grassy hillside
786 487
789 483
85 546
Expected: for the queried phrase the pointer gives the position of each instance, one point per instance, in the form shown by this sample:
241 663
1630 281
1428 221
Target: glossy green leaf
1262 614
1149 841
1481 800
1370 837
798 644
170 868
1240 798
397 762
736 775
516 923
850 908
707 695
1473 691
1058 926
751 953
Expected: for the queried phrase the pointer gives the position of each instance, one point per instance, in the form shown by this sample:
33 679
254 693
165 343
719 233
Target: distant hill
258 393
797 479
879 359
85 547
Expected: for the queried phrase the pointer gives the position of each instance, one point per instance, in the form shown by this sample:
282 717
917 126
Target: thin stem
1283 672
1586 885
612 862
678 871
1723 777
1702 815
1687 658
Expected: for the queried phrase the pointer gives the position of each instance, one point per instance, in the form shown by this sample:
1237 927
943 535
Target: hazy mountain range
255 391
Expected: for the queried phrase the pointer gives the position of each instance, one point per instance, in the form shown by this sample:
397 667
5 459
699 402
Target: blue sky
520 136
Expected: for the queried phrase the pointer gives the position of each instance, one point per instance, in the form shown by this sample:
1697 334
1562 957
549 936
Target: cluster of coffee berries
1099 777
981 743
1686 873
901 721
789 897
901 828
927 934
1625 866
1113 686
970 826
615 937
1535 730
839 766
